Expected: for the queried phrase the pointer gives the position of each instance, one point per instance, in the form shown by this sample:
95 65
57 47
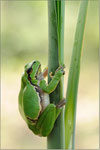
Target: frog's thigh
46 120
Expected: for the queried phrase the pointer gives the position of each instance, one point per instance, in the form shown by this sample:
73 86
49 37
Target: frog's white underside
46 101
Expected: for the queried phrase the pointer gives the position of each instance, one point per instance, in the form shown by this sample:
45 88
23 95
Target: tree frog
34 104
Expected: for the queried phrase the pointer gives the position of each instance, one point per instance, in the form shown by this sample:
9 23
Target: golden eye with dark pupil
29 70
33 63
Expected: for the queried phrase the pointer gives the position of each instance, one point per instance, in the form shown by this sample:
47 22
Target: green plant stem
56 140
73 79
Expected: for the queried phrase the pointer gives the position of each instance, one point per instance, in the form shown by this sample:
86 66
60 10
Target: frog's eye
29 70
34 62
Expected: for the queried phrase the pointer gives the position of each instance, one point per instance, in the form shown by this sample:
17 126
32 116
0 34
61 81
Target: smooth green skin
29 103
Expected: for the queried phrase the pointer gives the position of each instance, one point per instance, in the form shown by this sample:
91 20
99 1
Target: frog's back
31 102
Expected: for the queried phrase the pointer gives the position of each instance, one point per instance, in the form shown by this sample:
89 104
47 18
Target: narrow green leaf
72 88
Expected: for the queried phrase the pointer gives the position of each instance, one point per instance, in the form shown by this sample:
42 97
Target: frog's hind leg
47 119
33 128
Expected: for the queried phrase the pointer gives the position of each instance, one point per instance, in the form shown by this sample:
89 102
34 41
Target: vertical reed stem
56 140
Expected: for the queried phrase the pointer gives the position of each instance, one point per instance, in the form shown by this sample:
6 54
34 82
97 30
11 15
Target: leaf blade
73 79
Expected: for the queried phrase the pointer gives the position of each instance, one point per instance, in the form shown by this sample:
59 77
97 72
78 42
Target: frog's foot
61 68
51 75
61 103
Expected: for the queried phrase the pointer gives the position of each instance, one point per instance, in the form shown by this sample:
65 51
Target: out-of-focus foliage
24 37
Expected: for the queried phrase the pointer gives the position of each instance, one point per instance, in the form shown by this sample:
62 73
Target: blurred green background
24 37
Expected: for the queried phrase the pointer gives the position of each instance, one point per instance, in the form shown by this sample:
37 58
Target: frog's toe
60 67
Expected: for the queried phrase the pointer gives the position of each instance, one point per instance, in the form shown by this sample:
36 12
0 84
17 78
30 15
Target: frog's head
33 69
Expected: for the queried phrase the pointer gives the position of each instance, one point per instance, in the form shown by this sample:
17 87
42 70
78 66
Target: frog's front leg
54 82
